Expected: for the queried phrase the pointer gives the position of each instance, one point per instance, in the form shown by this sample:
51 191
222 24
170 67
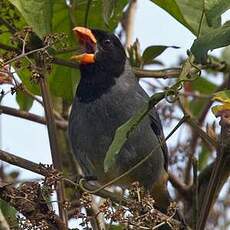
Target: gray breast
92 128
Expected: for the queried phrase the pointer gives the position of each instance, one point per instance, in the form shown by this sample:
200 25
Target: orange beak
86 38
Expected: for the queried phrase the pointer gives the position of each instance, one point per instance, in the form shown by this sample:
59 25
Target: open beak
88 40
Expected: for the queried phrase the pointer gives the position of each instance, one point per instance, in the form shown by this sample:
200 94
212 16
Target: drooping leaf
124 131
214 9
152 52
37 13
217 38
188 13
25 102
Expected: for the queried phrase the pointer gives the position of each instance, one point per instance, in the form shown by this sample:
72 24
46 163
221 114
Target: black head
110 54
103 61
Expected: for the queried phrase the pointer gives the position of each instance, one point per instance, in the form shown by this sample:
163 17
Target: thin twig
183 189
195 193
23 163
71 64
127 21
30 116
28 93
22 55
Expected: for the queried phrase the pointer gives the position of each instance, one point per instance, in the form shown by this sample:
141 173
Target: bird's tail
160 194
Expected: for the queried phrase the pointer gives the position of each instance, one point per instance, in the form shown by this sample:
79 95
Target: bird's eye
107 42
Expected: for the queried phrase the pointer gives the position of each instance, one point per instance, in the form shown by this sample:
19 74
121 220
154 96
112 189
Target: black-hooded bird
107 96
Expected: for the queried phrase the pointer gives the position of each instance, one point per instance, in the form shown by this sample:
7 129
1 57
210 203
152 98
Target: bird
107 96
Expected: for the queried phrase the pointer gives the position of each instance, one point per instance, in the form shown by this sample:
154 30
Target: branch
71 64
40 169
127 21
31 204
52 132
23 163
164 73
202 134
30 116
22 55
195 137
183 189
219 173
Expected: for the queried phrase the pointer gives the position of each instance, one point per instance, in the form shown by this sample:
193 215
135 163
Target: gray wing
156 126
158 130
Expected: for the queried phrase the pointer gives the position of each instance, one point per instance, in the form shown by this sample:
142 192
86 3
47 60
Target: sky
153 26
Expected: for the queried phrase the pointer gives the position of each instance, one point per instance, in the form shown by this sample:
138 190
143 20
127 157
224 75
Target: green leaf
37 13
9 213
217 38
202 86
25 102
188 13
115 227
96 14
63 82
124 131
214 9
152 52
25 76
